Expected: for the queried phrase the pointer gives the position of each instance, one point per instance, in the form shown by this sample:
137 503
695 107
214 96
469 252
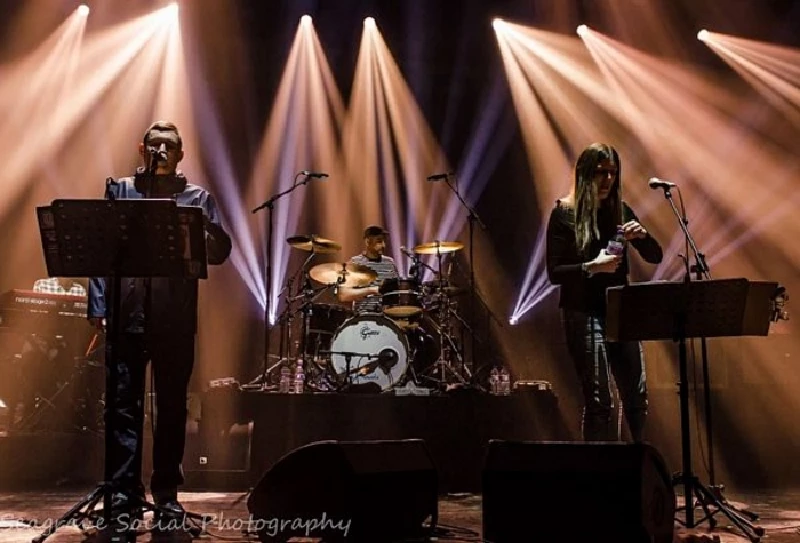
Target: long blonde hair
585 197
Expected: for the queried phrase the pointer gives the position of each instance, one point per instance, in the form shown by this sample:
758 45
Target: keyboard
20 307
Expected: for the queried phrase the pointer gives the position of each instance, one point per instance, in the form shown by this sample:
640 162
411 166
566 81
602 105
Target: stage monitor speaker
558 491
358 491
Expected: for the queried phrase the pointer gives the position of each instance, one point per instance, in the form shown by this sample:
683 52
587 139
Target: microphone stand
472 218
712 494
270 205
348 357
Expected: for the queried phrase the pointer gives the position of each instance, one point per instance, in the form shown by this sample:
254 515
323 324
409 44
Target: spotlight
83 10
305 19
513 321
369 22
498 23
582 30
703 35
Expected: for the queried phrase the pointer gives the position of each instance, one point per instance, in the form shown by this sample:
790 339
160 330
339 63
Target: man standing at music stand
158 323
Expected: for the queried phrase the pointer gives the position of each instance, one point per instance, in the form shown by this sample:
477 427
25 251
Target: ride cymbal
438 247
351 275
313 243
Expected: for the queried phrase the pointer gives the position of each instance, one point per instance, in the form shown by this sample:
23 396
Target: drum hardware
448 345
442 291
307 308
305 295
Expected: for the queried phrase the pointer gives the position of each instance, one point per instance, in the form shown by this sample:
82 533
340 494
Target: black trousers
172 361
595 361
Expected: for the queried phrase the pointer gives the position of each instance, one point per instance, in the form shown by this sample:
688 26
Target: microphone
438 176
387 359
409 254
656 183
159 153
318 175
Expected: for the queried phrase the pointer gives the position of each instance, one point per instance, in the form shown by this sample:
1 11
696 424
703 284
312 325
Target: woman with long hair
578 234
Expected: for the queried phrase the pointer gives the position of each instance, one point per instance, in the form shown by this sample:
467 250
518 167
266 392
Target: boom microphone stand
713 495
270 205
472 218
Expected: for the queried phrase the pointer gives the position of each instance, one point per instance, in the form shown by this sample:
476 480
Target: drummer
367 299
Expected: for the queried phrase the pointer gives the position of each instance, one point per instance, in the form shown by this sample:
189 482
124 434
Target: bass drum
379 352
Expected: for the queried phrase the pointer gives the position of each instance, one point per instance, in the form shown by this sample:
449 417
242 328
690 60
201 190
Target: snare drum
402 298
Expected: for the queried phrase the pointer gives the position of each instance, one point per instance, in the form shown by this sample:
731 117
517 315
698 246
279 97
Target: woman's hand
604 263
632 230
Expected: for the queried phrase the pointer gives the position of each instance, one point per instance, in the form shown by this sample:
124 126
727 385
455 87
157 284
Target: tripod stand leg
701 501
706 496
89 502
749 515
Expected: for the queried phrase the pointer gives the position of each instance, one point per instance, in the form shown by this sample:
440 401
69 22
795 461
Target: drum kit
411 339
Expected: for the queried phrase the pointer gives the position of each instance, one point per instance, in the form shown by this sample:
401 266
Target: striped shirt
386 269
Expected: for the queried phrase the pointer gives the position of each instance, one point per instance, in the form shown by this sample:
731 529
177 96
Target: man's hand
632 230
98 322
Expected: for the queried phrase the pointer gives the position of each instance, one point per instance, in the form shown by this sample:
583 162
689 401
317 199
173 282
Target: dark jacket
578 291
173 301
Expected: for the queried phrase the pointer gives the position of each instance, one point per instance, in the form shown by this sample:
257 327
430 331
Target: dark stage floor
460 515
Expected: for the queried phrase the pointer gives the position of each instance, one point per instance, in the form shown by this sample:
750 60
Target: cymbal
438 247
433 286
354 275
314 243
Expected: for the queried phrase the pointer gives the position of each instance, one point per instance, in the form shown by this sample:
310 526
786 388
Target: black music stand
679 311
116 239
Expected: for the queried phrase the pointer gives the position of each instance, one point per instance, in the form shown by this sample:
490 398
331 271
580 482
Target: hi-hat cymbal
446 288
352 275
438 247
314 243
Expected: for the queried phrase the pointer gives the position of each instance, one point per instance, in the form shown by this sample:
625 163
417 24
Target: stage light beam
83 10
703 35
582 30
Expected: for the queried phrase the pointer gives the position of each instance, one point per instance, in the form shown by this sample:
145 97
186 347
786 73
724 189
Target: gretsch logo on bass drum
366 332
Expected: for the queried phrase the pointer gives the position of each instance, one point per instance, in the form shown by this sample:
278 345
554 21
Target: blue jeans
595 361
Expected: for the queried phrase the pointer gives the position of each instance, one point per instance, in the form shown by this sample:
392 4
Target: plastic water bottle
494 381
617 244
505 382
299 377
285 384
